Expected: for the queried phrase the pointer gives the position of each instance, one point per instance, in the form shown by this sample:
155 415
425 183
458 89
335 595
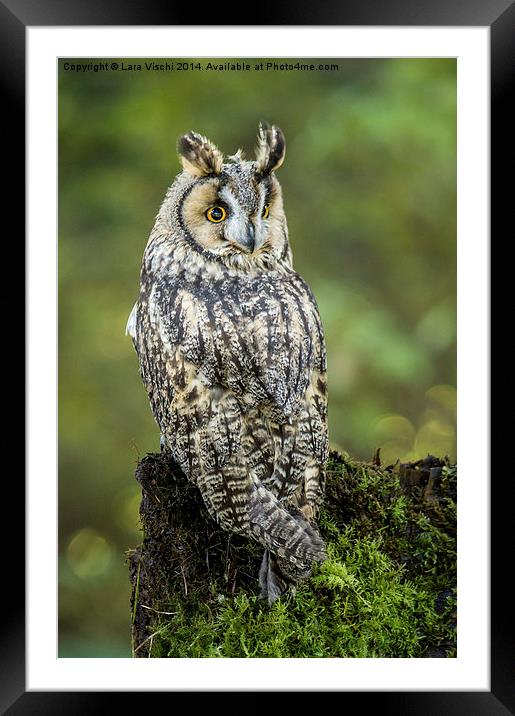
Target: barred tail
289 536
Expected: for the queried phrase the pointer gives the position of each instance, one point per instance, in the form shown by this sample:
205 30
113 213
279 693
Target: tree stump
388 587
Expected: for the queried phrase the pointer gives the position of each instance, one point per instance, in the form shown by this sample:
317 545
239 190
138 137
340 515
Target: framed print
105 90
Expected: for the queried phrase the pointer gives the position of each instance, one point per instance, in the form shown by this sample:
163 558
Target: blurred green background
369 185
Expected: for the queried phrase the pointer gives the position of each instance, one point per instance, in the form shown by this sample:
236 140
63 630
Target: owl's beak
248 241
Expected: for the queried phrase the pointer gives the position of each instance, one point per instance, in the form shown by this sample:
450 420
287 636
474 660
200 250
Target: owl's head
231 210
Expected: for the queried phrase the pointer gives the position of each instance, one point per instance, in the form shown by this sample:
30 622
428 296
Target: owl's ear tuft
199 156
270 149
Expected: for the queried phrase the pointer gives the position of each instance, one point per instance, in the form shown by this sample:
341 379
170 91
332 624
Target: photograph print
257 357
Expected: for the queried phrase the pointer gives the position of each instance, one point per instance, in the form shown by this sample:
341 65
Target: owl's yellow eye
216 214
266 211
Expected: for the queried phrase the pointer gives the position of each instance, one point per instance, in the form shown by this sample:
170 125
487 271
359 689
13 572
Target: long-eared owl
232 355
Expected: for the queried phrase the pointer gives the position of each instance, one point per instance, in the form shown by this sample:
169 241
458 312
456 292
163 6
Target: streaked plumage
232 354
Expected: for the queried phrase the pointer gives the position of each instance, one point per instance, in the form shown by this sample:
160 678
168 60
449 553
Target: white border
470 670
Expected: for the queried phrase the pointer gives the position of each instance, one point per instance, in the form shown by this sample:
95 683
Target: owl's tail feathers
288 535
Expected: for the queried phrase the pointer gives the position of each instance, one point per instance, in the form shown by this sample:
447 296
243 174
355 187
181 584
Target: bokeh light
89 554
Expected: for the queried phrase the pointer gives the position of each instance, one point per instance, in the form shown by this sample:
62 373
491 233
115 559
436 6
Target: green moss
387 588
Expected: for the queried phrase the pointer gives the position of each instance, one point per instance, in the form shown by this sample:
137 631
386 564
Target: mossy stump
387 589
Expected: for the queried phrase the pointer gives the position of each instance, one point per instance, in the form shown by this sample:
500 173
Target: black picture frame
499 16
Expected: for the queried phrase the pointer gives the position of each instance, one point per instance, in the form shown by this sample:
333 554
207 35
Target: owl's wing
291 364
301 450
206 428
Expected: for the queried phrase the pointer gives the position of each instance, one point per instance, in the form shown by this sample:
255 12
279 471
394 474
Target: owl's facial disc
237 216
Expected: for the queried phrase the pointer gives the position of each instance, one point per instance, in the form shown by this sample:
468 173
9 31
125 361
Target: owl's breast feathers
261 337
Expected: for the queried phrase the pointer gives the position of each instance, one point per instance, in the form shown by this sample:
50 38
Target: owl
232 355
